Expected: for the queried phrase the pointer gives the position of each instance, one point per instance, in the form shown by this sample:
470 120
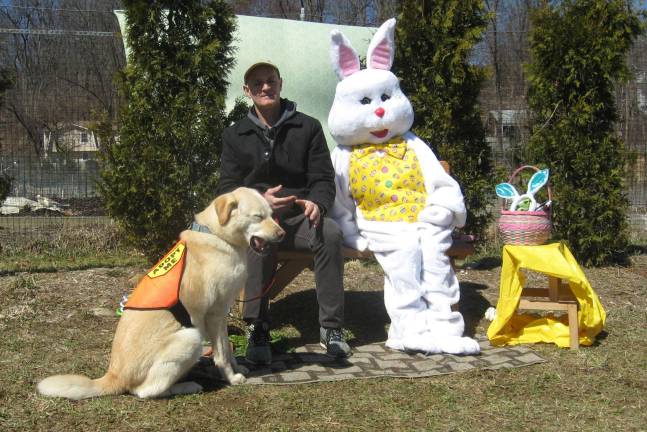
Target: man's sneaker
258 343
333 340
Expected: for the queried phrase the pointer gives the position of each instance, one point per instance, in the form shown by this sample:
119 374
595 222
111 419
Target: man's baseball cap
260 64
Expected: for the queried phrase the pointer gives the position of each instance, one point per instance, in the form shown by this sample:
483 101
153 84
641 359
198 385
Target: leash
270 283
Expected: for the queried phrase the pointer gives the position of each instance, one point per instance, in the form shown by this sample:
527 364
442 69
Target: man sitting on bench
282 153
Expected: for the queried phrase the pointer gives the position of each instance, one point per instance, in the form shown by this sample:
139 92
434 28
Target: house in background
505 129
74 139
641 91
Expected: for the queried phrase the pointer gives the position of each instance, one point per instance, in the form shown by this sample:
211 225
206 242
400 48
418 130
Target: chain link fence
63 62
61 58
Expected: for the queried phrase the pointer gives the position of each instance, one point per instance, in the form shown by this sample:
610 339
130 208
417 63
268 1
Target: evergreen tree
434 42
5 83
578 51
5 180
163 166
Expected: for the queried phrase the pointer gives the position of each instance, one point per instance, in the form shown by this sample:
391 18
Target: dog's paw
237 379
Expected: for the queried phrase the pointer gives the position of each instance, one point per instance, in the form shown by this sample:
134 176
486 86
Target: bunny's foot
429 343
459 345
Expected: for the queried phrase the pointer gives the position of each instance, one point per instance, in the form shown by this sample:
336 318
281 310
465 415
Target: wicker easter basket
526 227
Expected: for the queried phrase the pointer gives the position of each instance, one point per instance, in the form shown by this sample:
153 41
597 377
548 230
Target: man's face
263 87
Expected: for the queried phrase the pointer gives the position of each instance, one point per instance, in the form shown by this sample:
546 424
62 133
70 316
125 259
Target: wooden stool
567 290
559 298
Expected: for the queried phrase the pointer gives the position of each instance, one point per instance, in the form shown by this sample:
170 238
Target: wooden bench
292 263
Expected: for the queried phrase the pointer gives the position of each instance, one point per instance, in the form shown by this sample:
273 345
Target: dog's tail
80 387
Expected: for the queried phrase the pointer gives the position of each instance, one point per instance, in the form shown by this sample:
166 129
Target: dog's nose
379 112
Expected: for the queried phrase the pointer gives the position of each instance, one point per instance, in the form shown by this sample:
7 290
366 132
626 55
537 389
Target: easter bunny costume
394 198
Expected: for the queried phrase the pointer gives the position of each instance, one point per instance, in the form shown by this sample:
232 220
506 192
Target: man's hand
278 203
311 210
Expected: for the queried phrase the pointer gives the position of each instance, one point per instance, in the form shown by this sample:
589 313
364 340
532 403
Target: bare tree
64 55
27 58
507 47
348 12
493 48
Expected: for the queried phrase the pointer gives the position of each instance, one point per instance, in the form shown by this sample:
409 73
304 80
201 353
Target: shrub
578 50
5 186
434 42
163 166
5 180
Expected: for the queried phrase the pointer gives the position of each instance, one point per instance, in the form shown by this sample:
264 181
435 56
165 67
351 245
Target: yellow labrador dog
152 350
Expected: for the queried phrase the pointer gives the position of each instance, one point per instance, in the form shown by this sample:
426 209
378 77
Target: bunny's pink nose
379 112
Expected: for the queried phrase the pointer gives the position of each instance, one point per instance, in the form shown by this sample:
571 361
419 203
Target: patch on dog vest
160 288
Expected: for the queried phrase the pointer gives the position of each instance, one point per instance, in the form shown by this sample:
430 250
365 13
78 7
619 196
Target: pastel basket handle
521 168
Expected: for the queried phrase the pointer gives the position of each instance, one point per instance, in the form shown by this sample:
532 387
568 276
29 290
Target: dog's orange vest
160 287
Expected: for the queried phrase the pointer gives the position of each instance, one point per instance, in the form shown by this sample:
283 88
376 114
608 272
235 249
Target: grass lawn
63 322
48 244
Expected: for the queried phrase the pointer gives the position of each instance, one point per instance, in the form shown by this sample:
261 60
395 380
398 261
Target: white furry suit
420 286
395 199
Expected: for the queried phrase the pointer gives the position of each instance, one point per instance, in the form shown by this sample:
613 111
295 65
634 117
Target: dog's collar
200 228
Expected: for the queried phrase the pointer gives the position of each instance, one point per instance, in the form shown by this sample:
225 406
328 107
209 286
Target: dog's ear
224 205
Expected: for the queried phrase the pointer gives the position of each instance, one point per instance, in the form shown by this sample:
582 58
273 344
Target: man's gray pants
325 242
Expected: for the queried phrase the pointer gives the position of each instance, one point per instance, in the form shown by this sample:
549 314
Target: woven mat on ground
310 364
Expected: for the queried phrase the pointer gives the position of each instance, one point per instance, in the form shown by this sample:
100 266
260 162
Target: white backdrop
299 49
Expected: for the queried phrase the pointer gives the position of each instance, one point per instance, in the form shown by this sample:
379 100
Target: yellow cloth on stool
555 260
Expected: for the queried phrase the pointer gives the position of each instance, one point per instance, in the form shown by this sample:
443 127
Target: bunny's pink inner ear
381 56
348 61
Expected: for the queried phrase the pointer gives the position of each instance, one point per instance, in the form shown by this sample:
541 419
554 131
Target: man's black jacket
299 159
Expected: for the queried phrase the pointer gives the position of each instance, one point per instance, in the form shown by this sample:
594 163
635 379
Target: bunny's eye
365 101
385 97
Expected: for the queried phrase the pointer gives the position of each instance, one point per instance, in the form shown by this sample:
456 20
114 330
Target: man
282 153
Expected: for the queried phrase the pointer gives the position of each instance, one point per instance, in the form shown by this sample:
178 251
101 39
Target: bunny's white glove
436 215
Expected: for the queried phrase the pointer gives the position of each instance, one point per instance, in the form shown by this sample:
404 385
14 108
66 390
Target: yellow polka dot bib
386 181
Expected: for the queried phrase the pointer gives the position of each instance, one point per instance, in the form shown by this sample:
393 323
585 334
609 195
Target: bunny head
369 106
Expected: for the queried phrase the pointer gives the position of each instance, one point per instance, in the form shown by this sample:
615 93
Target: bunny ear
506 190
381 49
537 180
343 57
